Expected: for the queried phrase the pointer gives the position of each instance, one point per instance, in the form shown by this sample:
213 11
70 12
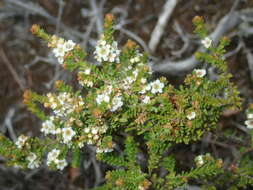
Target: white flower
116 103
33 161
112 57
95 137
61 164
191 115
200 72
143 80
102 42
129 67
130 80
249 124
207 42
87 71
87 130
146 100
52 156
60 60
157 86
132 60
21 141
250 116
102 53
137 59
69 45
80 144
199 160
145 89
136 73
48 127
89 83
59 51
102 98
67 134
94 131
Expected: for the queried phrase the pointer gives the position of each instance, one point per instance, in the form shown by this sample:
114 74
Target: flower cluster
130 79
53 158
64 103
107 51
82 78
48 127
249 121
155 87
93 136
33 161
60 47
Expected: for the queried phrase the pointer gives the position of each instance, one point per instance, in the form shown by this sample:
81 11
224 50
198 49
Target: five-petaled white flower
191 115
250 116
146 100
157 86
67 134
249 123
207 42
33 161
87 71
69 45
200 160
200 72
61 164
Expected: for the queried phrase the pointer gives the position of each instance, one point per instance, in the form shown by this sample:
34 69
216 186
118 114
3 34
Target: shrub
119 105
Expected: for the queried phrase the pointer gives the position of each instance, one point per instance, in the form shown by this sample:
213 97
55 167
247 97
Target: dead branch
12 70
163 19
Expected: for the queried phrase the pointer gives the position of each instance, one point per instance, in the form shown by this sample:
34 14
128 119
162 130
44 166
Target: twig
59 16
8 123
184 38
161 23
36 9
11 69
249 56
133 36
97 13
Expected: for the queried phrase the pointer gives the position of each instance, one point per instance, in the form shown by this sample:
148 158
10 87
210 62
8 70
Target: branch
160 26
12 70
36 9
